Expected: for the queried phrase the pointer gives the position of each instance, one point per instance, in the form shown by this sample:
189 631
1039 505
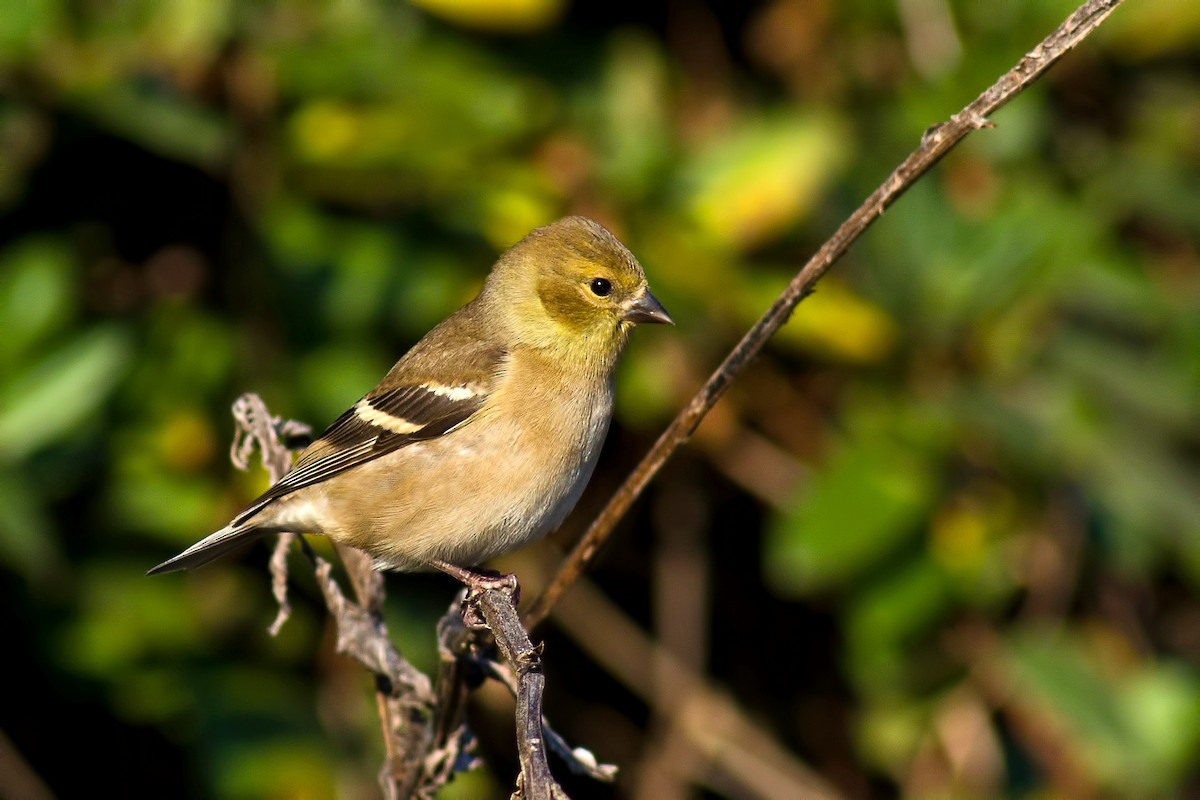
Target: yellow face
573 285
581 293
589 282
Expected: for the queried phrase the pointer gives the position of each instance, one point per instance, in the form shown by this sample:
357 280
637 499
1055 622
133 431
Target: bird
482 437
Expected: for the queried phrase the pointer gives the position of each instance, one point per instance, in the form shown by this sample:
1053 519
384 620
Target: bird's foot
477 582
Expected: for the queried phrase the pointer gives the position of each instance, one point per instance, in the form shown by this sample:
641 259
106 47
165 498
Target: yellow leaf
836 322
324 130
513 16
764 178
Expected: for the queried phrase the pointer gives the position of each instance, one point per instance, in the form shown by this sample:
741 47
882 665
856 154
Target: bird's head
573 284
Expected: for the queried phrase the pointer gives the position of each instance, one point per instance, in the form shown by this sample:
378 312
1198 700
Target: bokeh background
942 539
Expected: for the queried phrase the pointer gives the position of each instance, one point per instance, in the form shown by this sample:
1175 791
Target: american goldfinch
481 438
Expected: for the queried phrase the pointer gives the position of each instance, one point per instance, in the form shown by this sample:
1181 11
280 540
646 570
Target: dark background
942 539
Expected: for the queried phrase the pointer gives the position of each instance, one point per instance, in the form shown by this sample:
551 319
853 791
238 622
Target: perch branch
936 142
579 760
498 609
403 694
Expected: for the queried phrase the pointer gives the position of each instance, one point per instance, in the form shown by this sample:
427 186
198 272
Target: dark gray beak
647 309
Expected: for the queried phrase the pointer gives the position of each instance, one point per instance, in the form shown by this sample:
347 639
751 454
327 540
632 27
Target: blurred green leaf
124 618
867 500
635 147
27 536
61 390
889 732
26 26
366 261
883 619
177 508
1055 671
282 768
1145 30
1112 720
512 16
834 322
35 294
160 121
337 377
1162 704
477 784
643 399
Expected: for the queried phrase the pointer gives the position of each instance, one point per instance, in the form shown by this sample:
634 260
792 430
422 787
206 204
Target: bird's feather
395 414
211 547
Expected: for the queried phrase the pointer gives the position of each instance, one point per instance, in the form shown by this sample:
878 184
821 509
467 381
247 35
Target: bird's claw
478 582
506 583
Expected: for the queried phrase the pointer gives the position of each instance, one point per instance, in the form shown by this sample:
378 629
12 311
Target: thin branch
579 760
500 612
271 436
17 777
937 141
404 696
278 567
455 671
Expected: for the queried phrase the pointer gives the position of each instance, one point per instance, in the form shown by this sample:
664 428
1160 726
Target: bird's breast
504 479
553 446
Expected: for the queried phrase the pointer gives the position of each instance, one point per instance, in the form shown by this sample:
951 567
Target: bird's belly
508 488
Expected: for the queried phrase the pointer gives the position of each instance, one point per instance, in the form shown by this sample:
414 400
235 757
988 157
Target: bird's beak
646 308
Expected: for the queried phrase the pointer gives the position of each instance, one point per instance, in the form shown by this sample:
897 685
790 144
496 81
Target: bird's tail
211 547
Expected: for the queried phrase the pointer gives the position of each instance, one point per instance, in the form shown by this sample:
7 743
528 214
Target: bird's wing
407 407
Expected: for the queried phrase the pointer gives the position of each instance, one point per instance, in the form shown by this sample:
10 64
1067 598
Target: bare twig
279 580
17 777
257 429
403 694
526 660
363 637
937 141
579 760
271 436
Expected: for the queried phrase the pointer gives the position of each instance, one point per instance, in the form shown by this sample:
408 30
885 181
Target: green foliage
869 498
1119 717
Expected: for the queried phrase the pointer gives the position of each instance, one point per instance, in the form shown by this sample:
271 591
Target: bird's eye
601 287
